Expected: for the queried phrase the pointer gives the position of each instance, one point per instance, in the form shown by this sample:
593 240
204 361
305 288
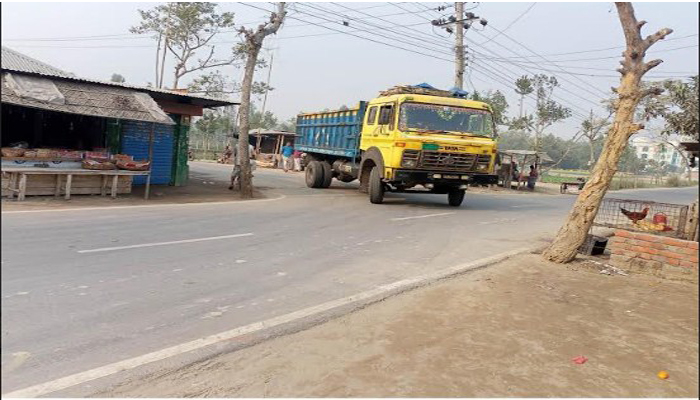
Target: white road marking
135 246
212 203
131 363
421 216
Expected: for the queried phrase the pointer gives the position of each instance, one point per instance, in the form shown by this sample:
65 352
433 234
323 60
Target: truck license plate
451 176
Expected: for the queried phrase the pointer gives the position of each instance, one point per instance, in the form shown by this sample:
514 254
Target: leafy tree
592 129
117 78
547 112
214 127
260 120
514 140
497 101
187 30
523 87
677 106
289 125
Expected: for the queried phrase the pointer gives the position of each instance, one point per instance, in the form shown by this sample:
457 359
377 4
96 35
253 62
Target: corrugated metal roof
16 61
19 62
92 99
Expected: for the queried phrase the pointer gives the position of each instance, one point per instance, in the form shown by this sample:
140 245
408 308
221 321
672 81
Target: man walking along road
287 152
236 172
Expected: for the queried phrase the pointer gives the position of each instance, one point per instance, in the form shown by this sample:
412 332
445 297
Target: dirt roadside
510 330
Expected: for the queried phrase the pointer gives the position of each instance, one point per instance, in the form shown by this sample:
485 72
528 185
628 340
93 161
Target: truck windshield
434 118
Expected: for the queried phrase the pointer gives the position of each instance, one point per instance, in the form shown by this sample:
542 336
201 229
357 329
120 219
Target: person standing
297 160
287 152
236 172
532 178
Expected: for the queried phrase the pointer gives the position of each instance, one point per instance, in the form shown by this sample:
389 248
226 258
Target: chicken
635 215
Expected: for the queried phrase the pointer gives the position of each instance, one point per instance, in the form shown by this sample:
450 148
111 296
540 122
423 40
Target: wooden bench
18 179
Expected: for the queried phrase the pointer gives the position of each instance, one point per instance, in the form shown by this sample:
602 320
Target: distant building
656 150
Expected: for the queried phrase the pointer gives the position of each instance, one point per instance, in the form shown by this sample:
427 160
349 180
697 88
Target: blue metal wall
333 132
135 137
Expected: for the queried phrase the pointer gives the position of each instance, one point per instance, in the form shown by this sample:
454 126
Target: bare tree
185 29
252 44
573 233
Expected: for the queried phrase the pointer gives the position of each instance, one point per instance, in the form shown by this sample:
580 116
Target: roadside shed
270 141
62 120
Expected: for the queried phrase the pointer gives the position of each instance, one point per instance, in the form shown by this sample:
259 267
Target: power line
564 89
605 58
596 50
510 24
533 52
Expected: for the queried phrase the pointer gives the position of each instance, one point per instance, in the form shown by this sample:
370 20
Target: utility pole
459 45
462 21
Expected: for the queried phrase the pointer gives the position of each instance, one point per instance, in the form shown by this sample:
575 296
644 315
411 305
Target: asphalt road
82 289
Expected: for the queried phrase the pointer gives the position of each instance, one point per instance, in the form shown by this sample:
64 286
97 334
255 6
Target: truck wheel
327 174
376 187
314 174
455 197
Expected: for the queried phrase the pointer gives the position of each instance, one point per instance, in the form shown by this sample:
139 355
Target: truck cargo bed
331 132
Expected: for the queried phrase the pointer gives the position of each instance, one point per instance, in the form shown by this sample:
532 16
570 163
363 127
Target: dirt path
510 330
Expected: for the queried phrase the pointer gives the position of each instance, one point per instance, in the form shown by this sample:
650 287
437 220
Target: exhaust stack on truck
410 139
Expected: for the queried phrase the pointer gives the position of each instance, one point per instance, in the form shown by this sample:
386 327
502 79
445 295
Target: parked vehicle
409 139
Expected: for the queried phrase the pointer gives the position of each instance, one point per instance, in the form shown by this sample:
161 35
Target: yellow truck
409 139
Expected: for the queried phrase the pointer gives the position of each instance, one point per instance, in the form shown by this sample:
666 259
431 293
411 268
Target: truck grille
442 161
451 161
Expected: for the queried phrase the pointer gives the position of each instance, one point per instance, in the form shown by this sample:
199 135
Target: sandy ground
510 330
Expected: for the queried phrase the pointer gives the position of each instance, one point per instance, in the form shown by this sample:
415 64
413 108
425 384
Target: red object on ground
579 359
660 218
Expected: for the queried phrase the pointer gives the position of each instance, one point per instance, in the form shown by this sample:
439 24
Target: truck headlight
482 167
409 163
410 158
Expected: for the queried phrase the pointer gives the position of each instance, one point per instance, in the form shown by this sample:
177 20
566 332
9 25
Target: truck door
384 135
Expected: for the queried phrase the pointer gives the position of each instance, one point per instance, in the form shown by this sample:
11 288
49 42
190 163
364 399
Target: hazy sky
326 69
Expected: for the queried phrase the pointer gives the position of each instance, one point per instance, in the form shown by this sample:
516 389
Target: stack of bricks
655 255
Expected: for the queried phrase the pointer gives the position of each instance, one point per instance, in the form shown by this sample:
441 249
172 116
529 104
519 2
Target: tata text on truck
409 139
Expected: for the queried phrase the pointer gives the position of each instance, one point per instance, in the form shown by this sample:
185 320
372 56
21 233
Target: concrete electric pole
459 45
462 21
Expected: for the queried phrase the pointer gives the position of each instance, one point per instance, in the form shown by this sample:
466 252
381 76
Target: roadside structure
268 144
69 118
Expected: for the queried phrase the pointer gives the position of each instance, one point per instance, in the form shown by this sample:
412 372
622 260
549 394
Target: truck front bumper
447 178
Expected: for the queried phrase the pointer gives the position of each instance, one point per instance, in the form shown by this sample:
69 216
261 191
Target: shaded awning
81 98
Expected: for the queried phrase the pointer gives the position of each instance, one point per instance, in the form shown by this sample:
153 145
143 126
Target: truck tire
455 197
314 174
327 174
376 187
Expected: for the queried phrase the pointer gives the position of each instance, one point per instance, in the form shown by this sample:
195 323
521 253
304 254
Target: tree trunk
591 161
573 233
244 115
253 42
